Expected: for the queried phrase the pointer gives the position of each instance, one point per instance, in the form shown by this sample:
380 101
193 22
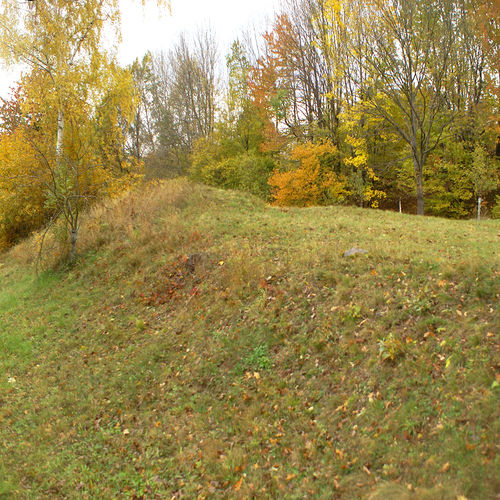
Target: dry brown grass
144 218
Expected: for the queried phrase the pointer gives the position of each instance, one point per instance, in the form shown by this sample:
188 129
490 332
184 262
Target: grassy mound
207 345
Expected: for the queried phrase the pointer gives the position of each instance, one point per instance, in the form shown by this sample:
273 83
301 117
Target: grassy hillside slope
206 345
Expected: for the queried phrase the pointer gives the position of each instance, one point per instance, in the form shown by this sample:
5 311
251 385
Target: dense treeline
386 103
382 103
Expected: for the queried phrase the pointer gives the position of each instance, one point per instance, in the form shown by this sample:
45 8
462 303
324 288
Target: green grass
266 366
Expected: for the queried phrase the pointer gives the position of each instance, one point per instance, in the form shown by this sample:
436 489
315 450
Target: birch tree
71 77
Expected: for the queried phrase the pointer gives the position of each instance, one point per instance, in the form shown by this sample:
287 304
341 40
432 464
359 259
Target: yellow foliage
360 140
22 198
373 196
33 186
68 149
314 182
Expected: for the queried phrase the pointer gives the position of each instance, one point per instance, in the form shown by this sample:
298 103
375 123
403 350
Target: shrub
495 211
314 181
246 171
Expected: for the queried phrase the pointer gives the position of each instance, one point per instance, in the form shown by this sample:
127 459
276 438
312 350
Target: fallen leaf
469 446
445 467
290 477
238 484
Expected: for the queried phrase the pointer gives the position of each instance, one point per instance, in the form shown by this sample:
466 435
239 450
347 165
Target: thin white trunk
479 201
399 205
60 135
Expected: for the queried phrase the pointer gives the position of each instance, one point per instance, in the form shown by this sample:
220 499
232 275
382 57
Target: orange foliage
314 182
271 72
270 81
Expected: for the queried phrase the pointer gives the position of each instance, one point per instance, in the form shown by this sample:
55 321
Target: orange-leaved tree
312 178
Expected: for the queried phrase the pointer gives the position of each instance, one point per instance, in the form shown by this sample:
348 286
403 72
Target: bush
248 172
314 181
495 211
254 172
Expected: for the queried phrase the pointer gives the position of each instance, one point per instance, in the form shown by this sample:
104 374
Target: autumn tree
193 85
311 179
288 82
22 203
372 155
484 176
178 91
243 120
484 16
238 68
231 156
142 135
407 57
76 89
330 20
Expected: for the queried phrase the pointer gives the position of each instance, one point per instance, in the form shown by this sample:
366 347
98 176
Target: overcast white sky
144 29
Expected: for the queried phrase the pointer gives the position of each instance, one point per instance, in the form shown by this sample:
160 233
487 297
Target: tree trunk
399 206
420 199
417 167
60 135
479 201
74 238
